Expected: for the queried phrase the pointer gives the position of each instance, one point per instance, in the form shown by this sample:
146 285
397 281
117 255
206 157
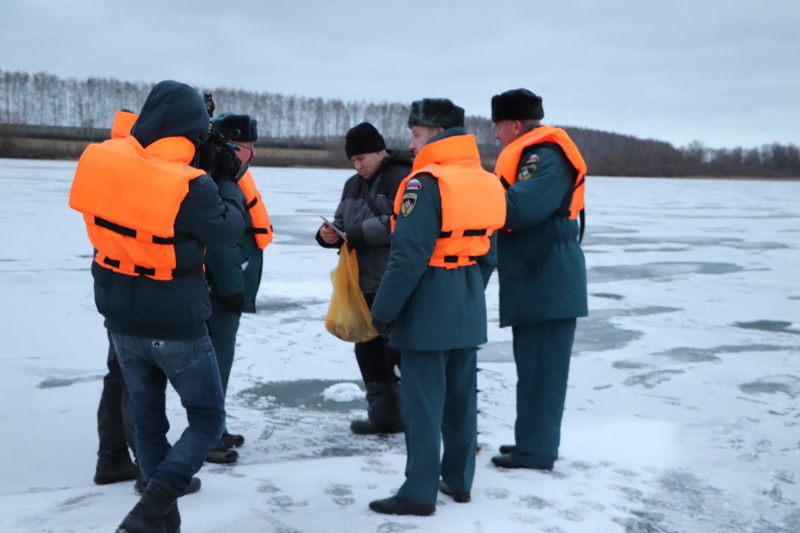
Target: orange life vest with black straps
261 228
473 202
508 164
130 197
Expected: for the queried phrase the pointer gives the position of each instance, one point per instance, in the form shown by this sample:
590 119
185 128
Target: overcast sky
724 72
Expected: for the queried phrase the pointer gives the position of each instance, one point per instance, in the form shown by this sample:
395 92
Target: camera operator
150 217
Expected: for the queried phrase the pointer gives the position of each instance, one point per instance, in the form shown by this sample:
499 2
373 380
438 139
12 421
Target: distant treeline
84 109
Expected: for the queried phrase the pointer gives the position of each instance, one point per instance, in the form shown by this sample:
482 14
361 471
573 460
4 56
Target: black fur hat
363 139
517 104
435 113
240 128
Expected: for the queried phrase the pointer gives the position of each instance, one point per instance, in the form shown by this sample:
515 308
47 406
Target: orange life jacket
508 162
261 228
473 202
123 123
130 197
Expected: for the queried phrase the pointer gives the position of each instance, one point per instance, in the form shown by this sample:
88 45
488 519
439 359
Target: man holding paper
363 219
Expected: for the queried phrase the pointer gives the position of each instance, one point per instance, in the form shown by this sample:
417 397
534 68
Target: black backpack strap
370 201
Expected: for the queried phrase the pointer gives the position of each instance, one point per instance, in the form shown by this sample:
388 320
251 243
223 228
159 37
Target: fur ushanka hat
435 113
517 104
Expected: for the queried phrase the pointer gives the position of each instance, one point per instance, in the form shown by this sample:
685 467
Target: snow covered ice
682 412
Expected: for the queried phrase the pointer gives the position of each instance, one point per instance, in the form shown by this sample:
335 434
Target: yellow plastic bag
348 315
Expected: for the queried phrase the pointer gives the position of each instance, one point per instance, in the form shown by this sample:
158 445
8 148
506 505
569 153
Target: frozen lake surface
682 412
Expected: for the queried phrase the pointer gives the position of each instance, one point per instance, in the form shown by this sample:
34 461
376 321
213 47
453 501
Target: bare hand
328 234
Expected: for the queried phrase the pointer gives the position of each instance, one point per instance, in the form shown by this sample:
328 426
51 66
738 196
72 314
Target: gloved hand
226 164
384 329
233 303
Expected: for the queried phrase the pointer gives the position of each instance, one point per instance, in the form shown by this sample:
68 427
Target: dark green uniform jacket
433 308
541 266
235 270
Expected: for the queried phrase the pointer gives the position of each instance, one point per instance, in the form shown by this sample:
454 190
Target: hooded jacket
208 216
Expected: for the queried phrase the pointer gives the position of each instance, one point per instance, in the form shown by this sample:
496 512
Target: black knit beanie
363 139
517 104
435 113
235 127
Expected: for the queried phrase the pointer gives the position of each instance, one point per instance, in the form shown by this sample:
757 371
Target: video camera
216 154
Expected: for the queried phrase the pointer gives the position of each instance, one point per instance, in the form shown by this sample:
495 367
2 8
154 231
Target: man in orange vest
150 216
114 412
541 270
432 306
234 272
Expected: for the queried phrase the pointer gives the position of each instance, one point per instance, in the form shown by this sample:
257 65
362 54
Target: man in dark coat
150 287
234 275
114 412
541 270
363 215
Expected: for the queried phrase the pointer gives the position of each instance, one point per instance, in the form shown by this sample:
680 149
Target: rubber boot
383 412
149 515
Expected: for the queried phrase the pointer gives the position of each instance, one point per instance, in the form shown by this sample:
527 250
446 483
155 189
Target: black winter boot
232 440
402 506
149 515
172 520
222 456
114 467
193 486
383 410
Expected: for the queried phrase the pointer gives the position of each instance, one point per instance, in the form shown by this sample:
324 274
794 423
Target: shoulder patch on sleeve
414 185
528 168
409 201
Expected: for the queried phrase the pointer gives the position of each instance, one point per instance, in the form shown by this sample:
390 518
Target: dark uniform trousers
542 354
434 414
223 327
376 359
115 413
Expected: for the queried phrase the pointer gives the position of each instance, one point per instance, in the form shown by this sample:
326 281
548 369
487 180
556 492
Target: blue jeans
191 368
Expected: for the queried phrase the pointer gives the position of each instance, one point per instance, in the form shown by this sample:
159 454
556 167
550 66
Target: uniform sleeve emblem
528 168
414 185
409 201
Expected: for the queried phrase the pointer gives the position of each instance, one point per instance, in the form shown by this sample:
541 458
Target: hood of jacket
172 109
396 157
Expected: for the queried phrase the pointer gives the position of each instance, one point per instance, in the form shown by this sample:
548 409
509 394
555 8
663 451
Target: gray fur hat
435 113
